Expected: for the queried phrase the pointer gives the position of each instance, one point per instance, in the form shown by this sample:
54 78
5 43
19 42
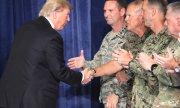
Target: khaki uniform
143 93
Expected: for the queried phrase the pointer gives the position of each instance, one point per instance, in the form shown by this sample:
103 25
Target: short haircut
161 4
121 3
137 3
174 7
53 5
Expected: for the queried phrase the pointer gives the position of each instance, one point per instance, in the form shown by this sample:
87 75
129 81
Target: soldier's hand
122 77
112 101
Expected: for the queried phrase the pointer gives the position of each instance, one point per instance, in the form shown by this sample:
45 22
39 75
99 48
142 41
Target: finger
160 57
157 57
130 53
154 55
70 63
72 59
110 105
124 51
160 62
170 53
107 105
113 105
82 53
169 71
86 73
117 52
115 55
71 66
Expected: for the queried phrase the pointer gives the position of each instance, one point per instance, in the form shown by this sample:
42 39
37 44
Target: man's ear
123 11
154 11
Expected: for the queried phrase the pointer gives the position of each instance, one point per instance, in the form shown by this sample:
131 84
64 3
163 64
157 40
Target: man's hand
76 62
145 61
88 76
122 56
112 101
122 77
167 61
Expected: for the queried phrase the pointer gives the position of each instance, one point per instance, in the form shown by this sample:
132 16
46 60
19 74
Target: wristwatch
153 66
177 69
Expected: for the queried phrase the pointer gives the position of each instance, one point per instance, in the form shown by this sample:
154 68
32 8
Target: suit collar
43 19
52 25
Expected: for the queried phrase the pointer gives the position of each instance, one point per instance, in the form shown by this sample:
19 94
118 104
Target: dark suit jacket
35 68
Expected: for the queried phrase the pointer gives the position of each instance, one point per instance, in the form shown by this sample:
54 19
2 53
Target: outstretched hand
76 62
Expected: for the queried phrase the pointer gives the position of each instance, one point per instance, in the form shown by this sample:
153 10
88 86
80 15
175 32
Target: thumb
82 53
131 55
169 52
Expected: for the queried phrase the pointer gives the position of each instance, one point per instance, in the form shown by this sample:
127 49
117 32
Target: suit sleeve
55 58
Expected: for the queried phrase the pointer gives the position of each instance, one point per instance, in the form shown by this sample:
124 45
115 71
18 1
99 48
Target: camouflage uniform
133 44
169 83
109 84
143 93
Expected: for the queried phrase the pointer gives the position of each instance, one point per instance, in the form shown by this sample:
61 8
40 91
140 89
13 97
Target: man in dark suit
36 62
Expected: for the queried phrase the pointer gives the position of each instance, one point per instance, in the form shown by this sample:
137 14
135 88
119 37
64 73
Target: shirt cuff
82 76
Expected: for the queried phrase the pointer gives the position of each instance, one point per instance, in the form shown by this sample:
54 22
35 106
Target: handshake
88 75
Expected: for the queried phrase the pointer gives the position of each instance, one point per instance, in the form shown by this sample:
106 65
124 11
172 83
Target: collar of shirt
120 33
163 31
52 25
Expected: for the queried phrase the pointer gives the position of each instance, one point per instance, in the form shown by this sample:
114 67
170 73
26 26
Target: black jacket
35 68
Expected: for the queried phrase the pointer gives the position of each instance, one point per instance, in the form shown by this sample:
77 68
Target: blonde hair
53 5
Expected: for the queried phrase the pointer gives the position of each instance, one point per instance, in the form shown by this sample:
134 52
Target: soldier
145 93
168 70
135 23
114 11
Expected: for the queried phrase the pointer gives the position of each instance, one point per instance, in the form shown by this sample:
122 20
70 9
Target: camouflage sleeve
119 90
136 68
129 73
112 86
152 83
95 62
97 57
167 79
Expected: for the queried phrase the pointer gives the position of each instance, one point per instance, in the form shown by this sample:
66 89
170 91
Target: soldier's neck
157 25
118 27
140 30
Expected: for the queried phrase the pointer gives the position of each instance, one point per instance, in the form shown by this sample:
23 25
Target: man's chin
108 22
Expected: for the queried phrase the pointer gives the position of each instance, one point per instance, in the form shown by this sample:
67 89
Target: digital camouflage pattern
143 93
169 83
109 84
133 44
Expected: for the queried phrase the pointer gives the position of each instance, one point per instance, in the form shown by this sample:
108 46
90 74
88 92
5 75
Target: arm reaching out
76 62
107 69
